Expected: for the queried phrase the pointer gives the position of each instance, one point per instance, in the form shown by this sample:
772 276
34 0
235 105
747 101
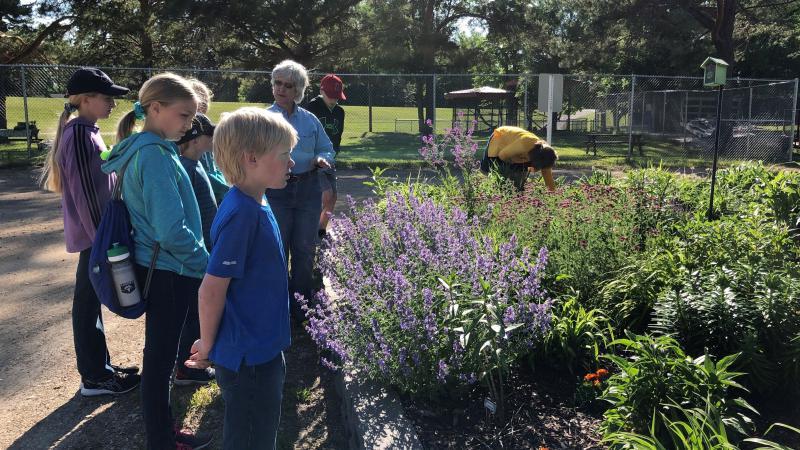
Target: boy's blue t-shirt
247 249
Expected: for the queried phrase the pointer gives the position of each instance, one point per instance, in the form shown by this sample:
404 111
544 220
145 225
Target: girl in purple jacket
72 168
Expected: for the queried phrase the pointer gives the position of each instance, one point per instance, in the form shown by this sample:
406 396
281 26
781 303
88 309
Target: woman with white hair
514 152
297 206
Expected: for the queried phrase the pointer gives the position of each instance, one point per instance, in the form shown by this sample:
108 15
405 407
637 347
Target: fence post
749 117
630 118
550 87
641 113
433 115
25 107
794 121
525 103
369 103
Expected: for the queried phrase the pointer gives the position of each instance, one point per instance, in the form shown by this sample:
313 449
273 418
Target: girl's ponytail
165 88
50 177
125 125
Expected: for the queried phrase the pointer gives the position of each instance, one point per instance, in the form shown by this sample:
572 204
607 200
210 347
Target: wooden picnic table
593 139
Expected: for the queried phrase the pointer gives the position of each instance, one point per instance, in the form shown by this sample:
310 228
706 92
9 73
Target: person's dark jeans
517 173
87 327
167 304
252 404
297 208
191 333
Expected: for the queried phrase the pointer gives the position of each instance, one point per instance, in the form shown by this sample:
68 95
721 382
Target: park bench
592 140
19 132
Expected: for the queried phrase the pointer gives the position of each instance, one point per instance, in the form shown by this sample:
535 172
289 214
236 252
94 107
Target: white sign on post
551 95
558 91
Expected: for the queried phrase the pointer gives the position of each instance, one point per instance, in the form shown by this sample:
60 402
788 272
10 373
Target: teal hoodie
162 205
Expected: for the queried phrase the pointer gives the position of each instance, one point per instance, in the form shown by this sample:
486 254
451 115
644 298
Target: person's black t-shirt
332 120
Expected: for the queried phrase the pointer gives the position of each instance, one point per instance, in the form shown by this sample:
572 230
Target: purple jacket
86 188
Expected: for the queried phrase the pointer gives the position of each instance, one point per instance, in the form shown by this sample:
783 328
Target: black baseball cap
201 126
89 79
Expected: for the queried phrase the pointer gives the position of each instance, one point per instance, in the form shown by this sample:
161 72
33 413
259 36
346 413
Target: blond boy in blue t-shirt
244 297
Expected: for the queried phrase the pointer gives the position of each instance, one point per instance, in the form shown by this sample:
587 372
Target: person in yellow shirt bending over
515 151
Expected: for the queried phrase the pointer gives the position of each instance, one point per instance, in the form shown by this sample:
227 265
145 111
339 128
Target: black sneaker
128 370
193 441
188 377
119 383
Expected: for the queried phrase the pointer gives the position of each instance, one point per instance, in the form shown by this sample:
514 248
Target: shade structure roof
479 93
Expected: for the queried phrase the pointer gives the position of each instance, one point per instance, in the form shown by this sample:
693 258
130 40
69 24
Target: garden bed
541 414
451 292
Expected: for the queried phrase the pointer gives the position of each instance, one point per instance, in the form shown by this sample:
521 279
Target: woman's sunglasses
283 84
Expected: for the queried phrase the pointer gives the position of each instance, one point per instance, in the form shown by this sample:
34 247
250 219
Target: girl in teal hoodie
163 210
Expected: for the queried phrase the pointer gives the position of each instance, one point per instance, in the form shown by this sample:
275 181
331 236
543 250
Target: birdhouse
715 72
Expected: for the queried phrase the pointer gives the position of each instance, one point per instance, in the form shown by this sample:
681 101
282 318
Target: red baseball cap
332 86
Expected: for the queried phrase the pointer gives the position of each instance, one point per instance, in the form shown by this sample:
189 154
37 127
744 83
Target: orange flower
590 377
596 383
602 373
544 448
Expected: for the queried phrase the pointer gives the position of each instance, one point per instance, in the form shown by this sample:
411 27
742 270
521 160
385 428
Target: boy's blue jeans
297 208
252 398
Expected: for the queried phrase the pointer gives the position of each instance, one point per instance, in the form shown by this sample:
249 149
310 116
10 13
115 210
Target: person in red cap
326 107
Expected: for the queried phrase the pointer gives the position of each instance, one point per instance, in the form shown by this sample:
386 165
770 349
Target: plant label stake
715 76
490 406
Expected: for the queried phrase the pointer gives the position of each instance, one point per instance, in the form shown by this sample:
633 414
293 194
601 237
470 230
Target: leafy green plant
655 371
699 428
378 182
735 288
598 177
577 336
630 295
770 445
485 330
782 197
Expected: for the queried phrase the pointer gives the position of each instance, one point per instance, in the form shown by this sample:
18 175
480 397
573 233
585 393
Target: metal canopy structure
489 107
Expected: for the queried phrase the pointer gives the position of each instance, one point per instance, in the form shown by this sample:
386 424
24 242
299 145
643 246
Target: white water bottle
123 275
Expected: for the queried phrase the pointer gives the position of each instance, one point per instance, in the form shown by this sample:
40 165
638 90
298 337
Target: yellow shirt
512 144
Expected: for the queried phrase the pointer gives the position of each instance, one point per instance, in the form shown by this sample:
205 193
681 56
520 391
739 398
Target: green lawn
45 112
382 146
402 148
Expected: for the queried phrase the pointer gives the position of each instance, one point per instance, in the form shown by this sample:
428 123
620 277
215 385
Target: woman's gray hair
295 73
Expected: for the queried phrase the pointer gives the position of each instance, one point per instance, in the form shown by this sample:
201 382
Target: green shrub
734 288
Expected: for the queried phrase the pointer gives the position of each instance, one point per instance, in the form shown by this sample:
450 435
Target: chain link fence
586 117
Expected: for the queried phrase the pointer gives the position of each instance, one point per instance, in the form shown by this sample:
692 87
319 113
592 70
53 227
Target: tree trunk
418 97
722 35
146 42
719 26
428 103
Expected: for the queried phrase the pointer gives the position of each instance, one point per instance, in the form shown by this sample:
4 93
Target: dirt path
38 379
